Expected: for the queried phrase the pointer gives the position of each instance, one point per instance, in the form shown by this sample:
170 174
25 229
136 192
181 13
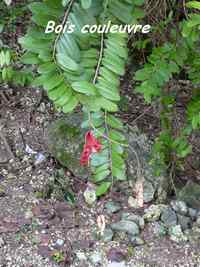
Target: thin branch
63 23
185 10
110 147
100 59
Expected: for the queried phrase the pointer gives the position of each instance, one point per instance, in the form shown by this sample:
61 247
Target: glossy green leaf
103 188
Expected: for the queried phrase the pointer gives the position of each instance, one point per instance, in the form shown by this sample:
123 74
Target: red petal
92 145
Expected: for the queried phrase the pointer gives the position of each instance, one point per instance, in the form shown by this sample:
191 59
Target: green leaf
67 62
119 174
1 27
30 58
100 176
143 74
7 58
84 87
60 93
53 82
109 93
47 67
193 4
101 168
71 105
114 122
86 3
119 137
107 105
100 158
103 188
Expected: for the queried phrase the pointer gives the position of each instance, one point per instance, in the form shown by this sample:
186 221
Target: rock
90 196
184 221
2 242
29 214
136 241
81 256
179 206
152 213
65 143
169 217
149 192
190 193
117 264
135 218
39 158
107 235
96 257
158 229
2 191
115 255
194 234
133 203
198 221
176 234
112 207
140 149
192 213
60 242
129 227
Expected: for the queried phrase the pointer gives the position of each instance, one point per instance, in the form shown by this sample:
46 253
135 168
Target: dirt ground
45 232
41 232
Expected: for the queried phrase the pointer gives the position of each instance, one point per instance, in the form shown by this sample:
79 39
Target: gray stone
136 241
90 195
152 213
176 234
190 193
2 242
107 235
81 256
179 206
117 264
140 150
158 229
169 217
129 227
149 192
60 242
112 207
194 234
198 221
184 221
135 218
96 257
133 203
65 142
192 213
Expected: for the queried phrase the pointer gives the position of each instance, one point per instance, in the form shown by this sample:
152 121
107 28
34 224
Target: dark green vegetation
84 70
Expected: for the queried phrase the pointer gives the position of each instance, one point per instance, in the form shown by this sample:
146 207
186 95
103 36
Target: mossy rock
65 142
155 187
190 193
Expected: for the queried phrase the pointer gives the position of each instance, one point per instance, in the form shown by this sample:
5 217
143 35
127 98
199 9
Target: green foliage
110 162
162 64
9 72
85 69
77 69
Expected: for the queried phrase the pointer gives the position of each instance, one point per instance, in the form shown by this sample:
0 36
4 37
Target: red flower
92 145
